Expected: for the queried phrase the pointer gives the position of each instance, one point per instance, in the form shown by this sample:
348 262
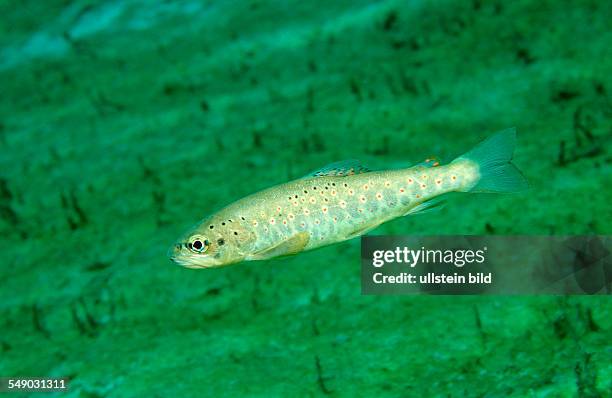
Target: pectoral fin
292 245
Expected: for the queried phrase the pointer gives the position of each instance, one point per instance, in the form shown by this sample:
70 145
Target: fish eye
198 245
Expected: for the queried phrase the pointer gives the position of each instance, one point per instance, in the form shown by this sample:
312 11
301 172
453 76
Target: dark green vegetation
123 123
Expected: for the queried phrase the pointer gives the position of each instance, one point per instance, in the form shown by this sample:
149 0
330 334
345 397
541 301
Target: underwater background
123 123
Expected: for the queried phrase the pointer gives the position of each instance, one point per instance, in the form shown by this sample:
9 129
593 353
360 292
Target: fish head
206 247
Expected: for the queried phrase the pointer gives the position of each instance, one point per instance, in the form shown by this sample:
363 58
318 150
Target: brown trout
339 202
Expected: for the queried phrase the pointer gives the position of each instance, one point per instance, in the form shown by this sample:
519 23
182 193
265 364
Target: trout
341 201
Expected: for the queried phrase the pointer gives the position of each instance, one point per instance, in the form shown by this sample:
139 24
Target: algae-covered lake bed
123 123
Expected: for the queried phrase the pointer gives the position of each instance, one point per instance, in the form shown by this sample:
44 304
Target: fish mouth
184 263
193 262
189 263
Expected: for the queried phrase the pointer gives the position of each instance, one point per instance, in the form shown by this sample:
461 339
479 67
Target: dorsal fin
340 169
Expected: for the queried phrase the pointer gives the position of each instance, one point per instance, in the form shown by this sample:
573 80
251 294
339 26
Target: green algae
121 124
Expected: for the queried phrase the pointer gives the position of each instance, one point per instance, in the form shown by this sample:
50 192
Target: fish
339 202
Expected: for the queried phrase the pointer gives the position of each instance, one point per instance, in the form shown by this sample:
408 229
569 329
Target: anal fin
430 205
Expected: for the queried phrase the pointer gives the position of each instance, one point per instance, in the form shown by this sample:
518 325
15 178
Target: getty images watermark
411 258
486 265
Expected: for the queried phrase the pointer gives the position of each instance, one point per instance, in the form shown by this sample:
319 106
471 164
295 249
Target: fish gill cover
122 123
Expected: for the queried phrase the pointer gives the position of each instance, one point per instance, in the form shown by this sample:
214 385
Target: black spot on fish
211 227
221 242
235 233
222 223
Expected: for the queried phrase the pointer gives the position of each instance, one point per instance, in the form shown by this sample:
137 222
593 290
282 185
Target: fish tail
493 156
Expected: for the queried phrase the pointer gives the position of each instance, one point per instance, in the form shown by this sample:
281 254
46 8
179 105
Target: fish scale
339 202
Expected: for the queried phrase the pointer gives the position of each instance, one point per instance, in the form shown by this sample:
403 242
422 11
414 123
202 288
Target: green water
124 123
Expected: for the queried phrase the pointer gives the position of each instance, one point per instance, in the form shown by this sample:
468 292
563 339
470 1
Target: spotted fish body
339 202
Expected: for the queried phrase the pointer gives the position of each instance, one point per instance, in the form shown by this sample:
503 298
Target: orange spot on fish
438 182
436 164
410 181
271 221
454 177
401 190
418 196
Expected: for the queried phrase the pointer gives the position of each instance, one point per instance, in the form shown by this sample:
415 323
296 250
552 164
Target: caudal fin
493 156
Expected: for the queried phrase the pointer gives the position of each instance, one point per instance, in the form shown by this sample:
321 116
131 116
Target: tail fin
493 156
